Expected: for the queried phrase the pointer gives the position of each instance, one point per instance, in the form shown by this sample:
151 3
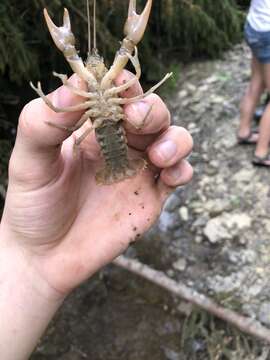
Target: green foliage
188 28
206 337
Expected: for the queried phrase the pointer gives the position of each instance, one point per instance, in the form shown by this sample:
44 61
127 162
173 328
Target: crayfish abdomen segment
112 140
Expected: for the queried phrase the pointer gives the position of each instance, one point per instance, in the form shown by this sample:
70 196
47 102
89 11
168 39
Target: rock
198 239
184 214
215 164
226 226
216 207
203 88
264 314
216 232
171 354
185 102
182 94
200 221
242 257
211 171
226 284
215 99
166 221
192 126
180 264
172 203
190 87
185 308
244 175
212 79
227 142
239 221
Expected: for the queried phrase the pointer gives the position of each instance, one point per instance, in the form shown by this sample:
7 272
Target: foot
261 161
251 138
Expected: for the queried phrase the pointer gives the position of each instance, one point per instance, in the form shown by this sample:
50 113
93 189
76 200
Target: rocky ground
213 235
220 223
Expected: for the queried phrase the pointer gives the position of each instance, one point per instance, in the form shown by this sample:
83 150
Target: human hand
65 225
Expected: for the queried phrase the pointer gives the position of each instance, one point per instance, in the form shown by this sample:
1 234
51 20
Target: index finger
147 116
132 91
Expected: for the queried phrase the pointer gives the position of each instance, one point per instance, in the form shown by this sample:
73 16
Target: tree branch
247 325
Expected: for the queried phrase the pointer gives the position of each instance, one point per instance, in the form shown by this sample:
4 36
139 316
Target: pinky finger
177 175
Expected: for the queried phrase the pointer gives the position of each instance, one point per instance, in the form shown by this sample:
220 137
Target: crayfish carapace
103 106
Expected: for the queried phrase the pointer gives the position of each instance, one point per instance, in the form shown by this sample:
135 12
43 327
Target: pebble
180 264
184 213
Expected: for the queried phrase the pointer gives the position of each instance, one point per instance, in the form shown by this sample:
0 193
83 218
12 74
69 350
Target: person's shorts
259 42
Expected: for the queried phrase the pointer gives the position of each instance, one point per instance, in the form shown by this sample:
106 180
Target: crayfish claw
136 24
65 41
62 35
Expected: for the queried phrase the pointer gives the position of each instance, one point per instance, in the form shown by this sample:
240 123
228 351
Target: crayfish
103 106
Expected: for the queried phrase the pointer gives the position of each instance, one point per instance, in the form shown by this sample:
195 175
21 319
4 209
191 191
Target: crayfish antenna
95 25
89 27
90 49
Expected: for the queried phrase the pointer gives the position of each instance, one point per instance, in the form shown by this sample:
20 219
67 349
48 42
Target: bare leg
75 90
251 99
135 62
140 97
264 136
81 138
78 107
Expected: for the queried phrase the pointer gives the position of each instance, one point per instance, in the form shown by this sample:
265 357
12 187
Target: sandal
261 161
249 139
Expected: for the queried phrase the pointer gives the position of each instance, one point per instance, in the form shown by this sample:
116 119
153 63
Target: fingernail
166 150
138 112
62 97
174 173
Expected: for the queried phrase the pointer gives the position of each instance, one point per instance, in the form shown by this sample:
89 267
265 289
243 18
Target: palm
74 216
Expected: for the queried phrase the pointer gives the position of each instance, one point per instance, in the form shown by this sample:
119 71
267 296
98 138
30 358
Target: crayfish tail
110 175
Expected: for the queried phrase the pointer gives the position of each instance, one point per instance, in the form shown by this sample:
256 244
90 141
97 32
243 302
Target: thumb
38 145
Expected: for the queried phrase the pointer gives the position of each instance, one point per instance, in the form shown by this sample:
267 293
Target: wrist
27 303
17 262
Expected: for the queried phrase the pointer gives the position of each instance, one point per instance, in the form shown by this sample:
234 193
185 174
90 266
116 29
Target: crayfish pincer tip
132 7
136 24
48 18
66 19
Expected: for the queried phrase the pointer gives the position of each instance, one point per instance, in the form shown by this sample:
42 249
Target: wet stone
172 203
